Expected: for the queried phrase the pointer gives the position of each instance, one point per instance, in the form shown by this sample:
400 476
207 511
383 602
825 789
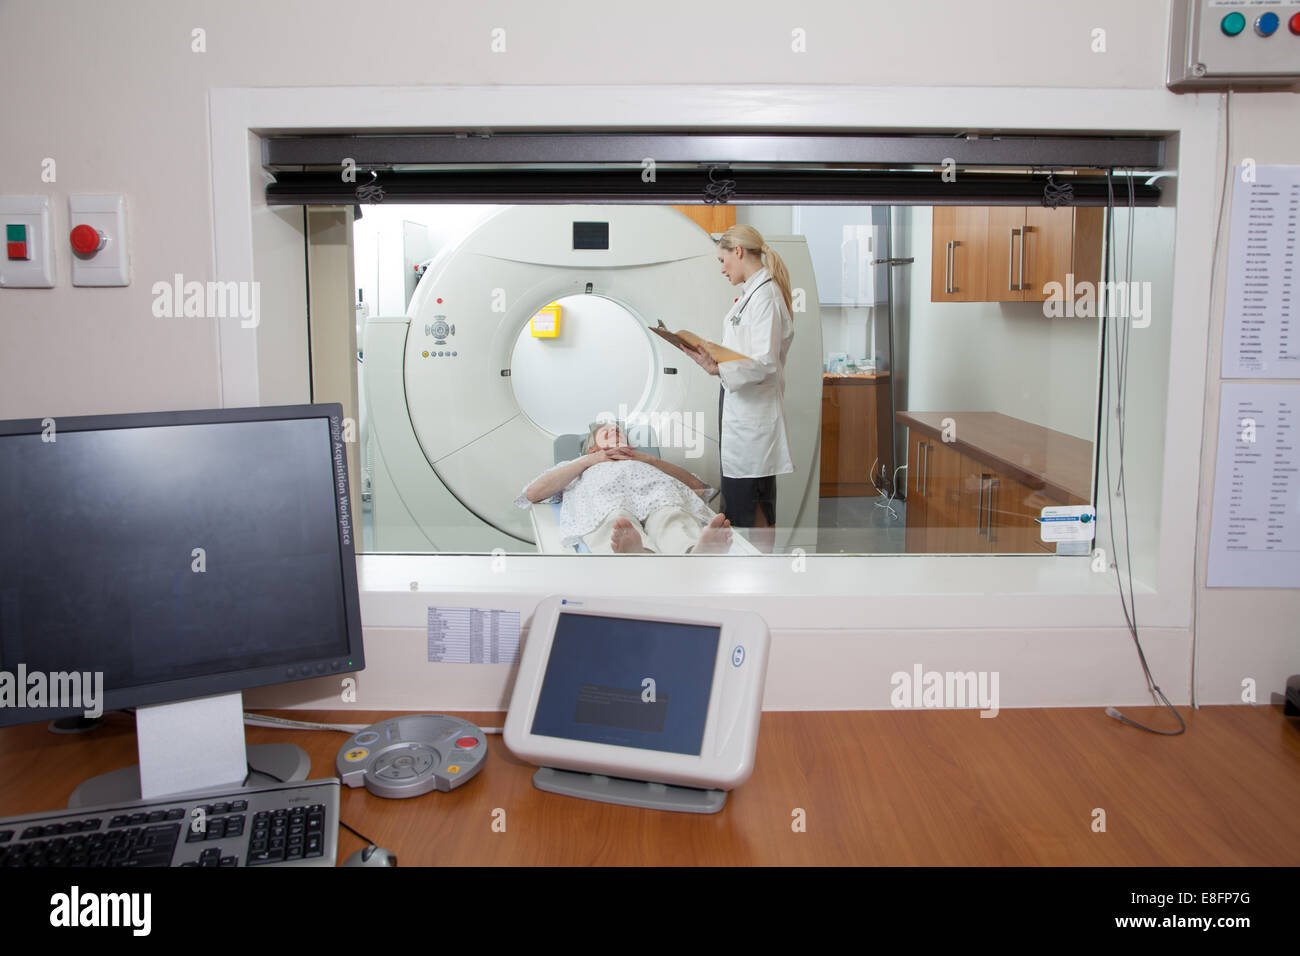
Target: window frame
846 593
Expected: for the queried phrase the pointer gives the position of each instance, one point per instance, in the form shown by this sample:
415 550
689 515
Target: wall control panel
1215 44
97 235
28 258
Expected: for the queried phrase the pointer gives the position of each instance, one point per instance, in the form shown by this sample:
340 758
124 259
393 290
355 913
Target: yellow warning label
454 768
356 753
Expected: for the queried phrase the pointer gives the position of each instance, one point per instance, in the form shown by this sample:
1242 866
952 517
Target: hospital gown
633 486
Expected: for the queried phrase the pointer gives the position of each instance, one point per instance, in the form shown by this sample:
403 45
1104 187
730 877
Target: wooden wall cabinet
1011 253
959 250
713 219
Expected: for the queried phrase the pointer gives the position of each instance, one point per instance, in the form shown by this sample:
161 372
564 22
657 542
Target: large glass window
941 387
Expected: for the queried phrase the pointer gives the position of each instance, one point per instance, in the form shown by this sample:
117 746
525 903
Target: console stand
629 793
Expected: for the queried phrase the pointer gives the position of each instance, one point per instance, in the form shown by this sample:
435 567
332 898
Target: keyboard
282 824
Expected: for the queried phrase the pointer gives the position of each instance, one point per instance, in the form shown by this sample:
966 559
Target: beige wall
113 93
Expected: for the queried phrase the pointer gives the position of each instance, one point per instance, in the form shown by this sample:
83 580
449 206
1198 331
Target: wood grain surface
899 787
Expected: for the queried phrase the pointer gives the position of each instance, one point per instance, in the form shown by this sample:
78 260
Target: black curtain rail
684 187
1096 151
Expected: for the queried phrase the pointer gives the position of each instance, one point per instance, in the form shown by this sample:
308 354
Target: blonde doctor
751 405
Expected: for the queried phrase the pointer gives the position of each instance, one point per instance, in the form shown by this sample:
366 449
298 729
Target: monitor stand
629 793
191 746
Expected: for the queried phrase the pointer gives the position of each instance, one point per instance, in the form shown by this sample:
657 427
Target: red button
467 742
1294 24
16 250
86 239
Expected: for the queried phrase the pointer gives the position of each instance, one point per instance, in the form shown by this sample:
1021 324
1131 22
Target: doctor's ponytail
749 238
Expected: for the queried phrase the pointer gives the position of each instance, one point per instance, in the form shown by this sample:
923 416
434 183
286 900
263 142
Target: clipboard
687 341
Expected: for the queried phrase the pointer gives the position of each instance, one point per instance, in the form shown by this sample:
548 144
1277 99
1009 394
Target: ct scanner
449 444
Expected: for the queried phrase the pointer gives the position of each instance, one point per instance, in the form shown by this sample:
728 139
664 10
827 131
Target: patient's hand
602 454
628 453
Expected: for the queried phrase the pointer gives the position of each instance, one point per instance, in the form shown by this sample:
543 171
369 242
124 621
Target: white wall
1002 357
140 126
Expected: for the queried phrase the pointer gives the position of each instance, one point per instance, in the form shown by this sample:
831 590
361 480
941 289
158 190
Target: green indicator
15 232
1233 24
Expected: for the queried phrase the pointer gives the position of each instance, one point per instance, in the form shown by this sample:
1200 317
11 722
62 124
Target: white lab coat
754 442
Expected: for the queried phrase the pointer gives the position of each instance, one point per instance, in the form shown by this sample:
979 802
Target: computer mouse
372 856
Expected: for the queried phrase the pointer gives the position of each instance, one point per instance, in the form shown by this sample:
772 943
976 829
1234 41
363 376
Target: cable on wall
1120 330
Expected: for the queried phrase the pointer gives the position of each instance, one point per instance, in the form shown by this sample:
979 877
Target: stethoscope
735 319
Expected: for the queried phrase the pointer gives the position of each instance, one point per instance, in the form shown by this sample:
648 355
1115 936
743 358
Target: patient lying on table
621 500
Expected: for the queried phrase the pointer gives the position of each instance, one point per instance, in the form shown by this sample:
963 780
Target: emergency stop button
87 239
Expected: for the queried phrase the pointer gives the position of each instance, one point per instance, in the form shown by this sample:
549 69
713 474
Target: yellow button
357 753
454 768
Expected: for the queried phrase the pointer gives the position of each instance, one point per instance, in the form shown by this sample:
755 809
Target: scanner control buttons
407 763
412 755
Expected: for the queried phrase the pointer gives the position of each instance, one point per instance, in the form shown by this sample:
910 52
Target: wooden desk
908 787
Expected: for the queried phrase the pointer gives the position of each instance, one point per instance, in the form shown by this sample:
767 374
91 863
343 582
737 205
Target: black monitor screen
177 558
632 683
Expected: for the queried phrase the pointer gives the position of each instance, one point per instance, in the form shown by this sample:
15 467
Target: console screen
631 683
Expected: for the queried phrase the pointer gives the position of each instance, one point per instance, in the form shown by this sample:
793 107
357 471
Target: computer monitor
166 561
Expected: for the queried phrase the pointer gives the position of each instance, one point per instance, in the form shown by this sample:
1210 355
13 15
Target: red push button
87 239
467 742
16 250
1294 24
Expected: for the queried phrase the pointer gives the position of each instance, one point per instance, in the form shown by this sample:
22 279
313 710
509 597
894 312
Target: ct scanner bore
601 344
452 447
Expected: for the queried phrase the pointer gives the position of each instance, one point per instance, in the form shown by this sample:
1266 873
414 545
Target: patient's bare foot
715 538
625 539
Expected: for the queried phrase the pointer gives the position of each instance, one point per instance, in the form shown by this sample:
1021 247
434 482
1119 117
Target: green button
1233 24
15 232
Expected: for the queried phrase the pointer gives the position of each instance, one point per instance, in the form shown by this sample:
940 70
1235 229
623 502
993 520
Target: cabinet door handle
947 267
916 475
979 511
1011 256
1020 282
993 483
